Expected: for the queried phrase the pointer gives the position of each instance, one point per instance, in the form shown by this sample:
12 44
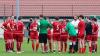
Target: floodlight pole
17 9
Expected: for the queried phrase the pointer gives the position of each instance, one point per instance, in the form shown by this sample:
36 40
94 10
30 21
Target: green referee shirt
43 26
71 29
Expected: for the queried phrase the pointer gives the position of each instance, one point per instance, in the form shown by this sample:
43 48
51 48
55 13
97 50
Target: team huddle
53 36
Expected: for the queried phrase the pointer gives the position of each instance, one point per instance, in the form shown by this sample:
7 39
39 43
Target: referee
28 28
42 27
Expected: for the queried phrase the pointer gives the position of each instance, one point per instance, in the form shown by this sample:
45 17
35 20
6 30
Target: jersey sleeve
67 27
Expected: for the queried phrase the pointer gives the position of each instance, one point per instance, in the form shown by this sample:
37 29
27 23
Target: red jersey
33 26
63 27
95 28
81 27
19 26
5 25
56 27
49 32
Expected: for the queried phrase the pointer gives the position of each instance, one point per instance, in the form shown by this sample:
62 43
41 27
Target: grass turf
28 51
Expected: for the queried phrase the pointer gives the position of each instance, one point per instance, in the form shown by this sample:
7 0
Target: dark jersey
88 28
28 28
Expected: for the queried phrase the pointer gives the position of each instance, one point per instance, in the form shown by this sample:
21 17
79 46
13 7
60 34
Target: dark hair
56 18
67 20
41 15
30 19
88 18
81 16
45 18
19 18
94 19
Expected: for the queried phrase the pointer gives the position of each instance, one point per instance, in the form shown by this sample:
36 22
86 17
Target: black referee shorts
42 38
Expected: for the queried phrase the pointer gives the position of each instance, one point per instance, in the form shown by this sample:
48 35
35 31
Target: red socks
90 49
33 46
37 46
82 50
45 48
18 46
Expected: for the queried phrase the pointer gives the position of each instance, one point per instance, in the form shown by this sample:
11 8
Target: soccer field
28 51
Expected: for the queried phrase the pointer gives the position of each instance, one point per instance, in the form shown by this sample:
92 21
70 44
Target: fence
50 10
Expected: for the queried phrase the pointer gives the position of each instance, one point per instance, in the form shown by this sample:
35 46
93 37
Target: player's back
56 26
20 26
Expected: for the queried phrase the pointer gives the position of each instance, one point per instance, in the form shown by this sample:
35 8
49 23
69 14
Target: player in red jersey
88 30
34 35
63 35
8 36
81 31
50 39
19 34
12 23
94 34
4 26
56 34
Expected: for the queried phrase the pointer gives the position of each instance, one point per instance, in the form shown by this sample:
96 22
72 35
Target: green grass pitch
28 51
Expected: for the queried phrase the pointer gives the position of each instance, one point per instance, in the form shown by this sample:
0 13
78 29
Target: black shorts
42 38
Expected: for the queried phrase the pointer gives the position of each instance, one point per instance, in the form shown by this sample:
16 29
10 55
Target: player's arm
67 28
50 25
31 28
3 27
38 27
9 25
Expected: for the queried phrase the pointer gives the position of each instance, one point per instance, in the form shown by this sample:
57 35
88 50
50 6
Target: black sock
70 48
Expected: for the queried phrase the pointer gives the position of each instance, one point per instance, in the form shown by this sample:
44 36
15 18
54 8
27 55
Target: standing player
8 35
56 34
89 33
72 36
4 26
42 27
12 32
34 35
81 31
63 35
28 28
75 22
50 37
19 34
94 34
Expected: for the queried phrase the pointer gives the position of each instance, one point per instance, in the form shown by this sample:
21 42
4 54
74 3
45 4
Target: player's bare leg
37 45
90 47
62 46
59 46
54 45
70 46
33 45
50 45
80 45
73 46
12 45
96 46
8 45
83 46
42 47
19 47
65 47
